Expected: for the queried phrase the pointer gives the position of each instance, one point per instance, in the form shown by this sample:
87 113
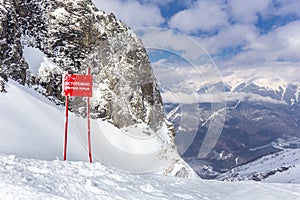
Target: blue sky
233 32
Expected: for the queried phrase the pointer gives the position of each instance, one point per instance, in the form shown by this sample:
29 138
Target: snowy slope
34 179
281 167
33 127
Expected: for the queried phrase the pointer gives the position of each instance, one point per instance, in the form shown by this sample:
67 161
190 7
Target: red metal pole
89 126
66 127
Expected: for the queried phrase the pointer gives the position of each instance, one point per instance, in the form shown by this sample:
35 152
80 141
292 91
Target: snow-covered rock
75 36
72 36
12 63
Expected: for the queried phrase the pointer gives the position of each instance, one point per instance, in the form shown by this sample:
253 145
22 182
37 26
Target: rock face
12 63
74 35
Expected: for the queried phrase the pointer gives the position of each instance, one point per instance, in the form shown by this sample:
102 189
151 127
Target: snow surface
288 159
34 58
33 127
36 179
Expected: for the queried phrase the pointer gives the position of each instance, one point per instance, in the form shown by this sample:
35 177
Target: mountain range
261 118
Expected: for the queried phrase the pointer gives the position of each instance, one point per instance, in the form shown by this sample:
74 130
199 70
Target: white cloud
289 7
241 96
202 16
132 12
288 38
246 11
184 98
231 36
186 79
172 41
280 45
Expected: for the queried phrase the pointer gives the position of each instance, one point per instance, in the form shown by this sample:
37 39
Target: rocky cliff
74 35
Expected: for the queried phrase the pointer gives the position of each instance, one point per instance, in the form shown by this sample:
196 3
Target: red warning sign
80 86
77 85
